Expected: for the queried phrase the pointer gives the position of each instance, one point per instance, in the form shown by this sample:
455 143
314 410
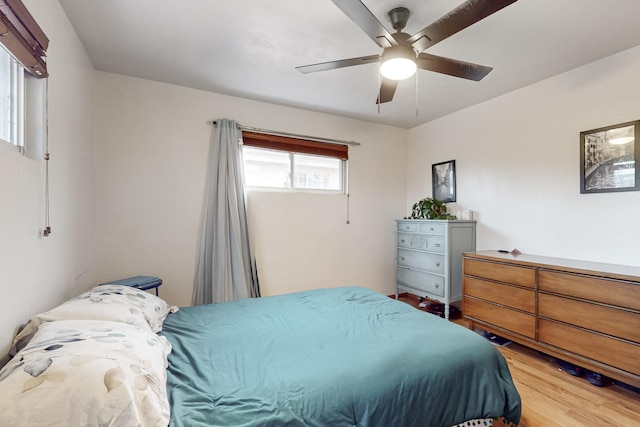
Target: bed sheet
331 357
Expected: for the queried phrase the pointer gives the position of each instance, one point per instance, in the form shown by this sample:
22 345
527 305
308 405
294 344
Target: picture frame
608 158
443 181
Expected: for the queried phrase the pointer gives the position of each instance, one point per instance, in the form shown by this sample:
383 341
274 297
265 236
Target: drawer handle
431 229
438 264
407 227
402 241
437 245
437 285
402 258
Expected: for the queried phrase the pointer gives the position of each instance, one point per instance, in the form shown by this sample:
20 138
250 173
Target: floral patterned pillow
89 373
114 303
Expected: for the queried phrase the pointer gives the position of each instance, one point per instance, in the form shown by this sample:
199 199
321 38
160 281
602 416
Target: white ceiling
250 48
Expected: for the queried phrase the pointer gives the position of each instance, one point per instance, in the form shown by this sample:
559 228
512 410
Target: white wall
152 144
38 273
517 161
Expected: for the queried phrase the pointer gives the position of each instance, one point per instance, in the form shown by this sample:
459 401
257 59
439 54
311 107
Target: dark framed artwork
608 158
443 181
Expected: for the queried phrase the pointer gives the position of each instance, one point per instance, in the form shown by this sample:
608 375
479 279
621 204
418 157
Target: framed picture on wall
443 181
608 158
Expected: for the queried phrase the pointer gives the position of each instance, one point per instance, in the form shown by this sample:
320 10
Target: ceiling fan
402 53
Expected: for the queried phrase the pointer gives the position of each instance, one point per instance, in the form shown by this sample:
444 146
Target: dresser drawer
519 298
432 228
602 348
410 226
412 241
608 320
420 280
602 290
521 276
516 321
435 243
421 260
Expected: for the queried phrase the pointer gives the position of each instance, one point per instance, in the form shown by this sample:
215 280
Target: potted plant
430 208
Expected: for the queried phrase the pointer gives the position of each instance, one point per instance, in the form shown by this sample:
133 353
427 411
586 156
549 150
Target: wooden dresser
429 257
583 312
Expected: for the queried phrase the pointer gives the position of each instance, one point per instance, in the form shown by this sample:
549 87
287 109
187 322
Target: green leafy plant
430 208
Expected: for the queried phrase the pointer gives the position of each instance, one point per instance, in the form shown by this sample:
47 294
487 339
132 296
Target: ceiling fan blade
452 67
387 90
366 20
331 65
458 19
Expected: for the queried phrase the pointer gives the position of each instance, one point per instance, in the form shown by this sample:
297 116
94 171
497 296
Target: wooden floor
552 397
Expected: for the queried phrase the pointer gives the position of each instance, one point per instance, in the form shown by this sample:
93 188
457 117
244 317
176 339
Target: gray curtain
225 268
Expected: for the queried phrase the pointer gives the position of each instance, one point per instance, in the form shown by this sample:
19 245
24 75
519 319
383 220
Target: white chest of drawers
429 257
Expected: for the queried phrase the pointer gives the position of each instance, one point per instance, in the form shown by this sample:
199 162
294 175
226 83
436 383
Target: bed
344 356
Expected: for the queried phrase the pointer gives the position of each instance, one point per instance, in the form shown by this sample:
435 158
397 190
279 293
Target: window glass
317 172
11 100
264 168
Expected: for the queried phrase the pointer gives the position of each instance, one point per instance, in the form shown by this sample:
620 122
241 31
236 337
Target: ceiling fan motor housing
400 51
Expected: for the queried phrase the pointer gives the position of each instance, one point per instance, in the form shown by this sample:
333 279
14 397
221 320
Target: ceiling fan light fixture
398 68
398 63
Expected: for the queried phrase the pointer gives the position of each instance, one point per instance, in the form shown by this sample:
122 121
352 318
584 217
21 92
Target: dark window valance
298 145
23 38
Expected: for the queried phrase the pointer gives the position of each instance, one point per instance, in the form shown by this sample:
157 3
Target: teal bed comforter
330 357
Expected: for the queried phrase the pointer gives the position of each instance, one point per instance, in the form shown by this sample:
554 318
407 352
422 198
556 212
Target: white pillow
114 303
89 373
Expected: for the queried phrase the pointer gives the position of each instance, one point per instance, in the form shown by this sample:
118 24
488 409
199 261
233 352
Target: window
295 164
317 172
23 47
11 101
